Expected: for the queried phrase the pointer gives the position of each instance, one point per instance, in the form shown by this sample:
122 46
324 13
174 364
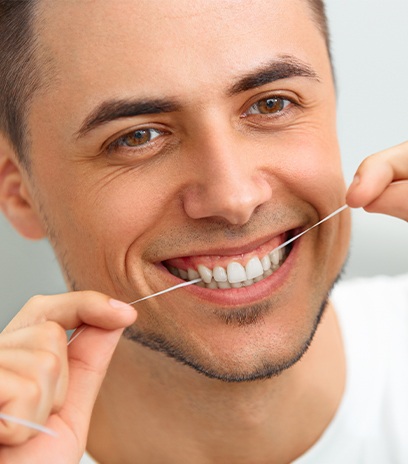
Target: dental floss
190 282
77 333
80 329
175 287
29 424
342 208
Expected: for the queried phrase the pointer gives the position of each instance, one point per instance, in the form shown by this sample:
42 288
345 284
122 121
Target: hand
373 187
45 381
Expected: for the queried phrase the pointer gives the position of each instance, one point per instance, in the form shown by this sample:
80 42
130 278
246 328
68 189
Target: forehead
170 44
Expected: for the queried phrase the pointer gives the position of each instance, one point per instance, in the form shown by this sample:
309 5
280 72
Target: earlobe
15 199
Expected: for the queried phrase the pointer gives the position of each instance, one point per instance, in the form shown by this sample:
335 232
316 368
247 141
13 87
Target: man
159 139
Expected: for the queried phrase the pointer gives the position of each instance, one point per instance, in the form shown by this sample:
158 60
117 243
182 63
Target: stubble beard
246 316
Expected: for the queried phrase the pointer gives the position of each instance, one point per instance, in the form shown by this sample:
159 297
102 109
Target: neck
170 413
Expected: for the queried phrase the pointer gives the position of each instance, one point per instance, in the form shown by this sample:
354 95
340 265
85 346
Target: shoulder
373 316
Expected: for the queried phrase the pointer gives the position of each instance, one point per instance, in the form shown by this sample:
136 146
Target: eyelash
120 143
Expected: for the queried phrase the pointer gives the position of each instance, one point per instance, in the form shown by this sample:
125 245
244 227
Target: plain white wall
370 48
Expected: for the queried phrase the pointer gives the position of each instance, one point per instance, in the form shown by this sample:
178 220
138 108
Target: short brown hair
319 12
19 76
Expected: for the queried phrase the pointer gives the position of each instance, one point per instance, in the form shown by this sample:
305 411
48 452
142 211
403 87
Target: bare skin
217 171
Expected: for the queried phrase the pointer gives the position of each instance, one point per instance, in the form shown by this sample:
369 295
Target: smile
234 272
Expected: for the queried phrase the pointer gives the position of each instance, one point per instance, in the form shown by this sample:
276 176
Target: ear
15 199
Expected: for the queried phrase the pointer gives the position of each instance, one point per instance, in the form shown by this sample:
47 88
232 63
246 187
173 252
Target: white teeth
220 274
275 257
236 273
205 273
254 268
192 274
266 262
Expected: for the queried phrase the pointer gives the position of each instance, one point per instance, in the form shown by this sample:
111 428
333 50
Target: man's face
176 134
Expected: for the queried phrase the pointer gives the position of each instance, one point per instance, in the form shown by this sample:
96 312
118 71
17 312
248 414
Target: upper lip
235 250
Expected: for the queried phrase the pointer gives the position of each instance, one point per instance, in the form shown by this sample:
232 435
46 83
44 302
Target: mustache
199 232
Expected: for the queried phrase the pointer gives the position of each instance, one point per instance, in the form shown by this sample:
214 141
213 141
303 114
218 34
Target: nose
229 181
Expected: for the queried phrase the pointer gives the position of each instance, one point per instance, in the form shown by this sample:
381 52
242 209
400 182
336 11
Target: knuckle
27 315
33 309
32 391
35 300
52 333
49 364
53 329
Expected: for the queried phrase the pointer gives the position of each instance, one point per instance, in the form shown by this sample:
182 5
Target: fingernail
120 305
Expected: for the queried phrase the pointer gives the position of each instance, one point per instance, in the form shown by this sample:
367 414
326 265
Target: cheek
103 213
124 210
313 170
133 208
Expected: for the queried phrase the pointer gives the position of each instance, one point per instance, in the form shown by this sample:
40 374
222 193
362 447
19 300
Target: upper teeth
235 275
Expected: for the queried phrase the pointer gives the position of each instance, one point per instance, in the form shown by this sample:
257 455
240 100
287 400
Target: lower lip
244 295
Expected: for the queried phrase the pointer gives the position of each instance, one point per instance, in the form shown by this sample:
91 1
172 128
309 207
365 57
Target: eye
137 138
267 106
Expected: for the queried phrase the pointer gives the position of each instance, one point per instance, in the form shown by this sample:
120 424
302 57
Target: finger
376 173
42 367
44 336
393 201
89 357
73 309
49 341
19 398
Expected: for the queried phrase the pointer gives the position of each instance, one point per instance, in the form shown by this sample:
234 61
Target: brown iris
271 105
137 138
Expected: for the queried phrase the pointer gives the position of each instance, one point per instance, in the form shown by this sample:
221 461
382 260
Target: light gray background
370 48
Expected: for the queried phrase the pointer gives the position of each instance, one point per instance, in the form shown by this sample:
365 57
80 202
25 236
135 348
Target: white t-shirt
371 424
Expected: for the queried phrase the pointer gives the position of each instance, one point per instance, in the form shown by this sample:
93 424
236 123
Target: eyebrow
284 67
116 109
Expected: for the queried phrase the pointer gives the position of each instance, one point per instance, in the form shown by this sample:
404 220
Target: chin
243 358
254 330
